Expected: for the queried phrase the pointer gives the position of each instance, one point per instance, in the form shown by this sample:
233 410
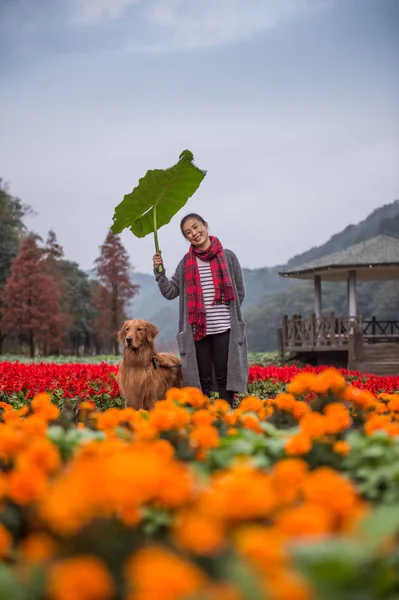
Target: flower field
19 382
292 495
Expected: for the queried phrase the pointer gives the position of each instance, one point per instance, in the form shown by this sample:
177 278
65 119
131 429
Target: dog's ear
152 332
121 333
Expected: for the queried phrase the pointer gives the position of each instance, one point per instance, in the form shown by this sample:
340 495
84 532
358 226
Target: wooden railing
317 332
332 332
380 331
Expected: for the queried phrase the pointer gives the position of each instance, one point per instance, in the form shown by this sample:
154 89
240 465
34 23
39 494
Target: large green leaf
161 193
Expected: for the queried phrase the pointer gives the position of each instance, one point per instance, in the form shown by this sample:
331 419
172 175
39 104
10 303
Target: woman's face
197 233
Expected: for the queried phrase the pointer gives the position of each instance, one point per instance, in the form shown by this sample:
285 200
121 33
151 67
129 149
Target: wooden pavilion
347 340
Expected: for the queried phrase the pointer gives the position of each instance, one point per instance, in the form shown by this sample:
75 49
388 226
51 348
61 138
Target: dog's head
137 333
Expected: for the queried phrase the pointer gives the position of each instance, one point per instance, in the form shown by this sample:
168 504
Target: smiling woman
211 336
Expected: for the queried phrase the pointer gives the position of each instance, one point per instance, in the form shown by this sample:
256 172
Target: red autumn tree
112 291
30 298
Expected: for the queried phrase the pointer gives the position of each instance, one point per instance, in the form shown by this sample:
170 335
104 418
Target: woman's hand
157 259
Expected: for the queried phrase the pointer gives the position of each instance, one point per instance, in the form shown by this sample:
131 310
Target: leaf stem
154 213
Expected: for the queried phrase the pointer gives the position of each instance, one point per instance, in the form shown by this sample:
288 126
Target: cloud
88 12
188 24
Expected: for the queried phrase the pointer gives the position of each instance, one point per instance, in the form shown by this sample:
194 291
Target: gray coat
237 369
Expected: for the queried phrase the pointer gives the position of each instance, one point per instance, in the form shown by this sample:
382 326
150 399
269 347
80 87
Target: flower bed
19 382
288 498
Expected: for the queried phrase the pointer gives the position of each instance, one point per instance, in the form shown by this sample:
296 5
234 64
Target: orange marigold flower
87 406
331 490
11 440
5 541
299 444
250 404
262 546
360 398
198 534
287 585
300 409
251 422
10 417
26 484
231 418
167 415
393 429
42 454
304 520
204 437
251 489
376 422
5 406
38 548
109 419
393 404
337 418
43 406
188 395
302 384
384 396
23 411
314 425
220 407
35 424
342 447
82 577
285 402
287 476
330 380
202 417
381 408
155 572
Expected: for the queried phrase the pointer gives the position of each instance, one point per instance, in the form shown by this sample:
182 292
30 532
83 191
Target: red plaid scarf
224 292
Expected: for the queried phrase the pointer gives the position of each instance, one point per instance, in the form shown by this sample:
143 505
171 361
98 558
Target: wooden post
284 332
331 341
313 330
355 350
373 328
280 343
352 295
317 296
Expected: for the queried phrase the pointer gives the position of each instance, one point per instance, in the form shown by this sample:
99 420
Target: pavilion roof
374 259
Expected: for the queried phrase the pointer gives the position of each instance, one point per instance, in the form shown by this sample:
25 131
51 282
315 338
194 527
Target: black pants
213 350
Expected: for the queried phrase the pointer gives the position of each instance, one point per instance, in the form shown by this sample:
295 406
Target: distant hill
269 296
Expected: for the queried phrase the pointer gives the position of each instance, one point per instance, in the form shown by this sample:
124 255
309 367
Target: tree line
48 305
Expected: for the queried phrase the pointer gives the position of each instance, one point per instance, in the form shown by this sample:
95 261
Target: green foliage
373 464
12 227
354 569
264 450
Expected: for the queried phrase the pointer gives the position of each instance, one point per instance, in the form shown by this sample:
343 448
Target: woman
211 336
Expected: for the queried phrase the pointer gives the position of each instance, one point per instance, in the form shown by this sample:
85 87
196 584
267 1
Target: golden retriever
144 376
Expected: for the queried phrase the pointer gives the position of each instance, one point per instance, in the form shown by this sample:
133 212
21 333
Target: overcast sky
290 105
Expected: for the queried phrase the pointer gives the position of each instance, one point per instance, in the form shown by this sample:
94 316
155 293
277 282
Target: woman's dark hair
191 216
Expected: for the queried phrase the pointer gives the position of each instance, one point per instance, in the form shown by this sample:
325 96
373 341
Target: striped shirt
217 315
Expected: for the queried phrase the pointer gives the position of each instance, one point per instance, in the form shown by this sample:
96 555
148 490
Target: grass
255 358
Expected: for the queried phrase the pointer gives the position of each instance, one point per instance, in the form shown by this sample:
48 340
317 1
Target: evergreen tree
81 312
12 227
